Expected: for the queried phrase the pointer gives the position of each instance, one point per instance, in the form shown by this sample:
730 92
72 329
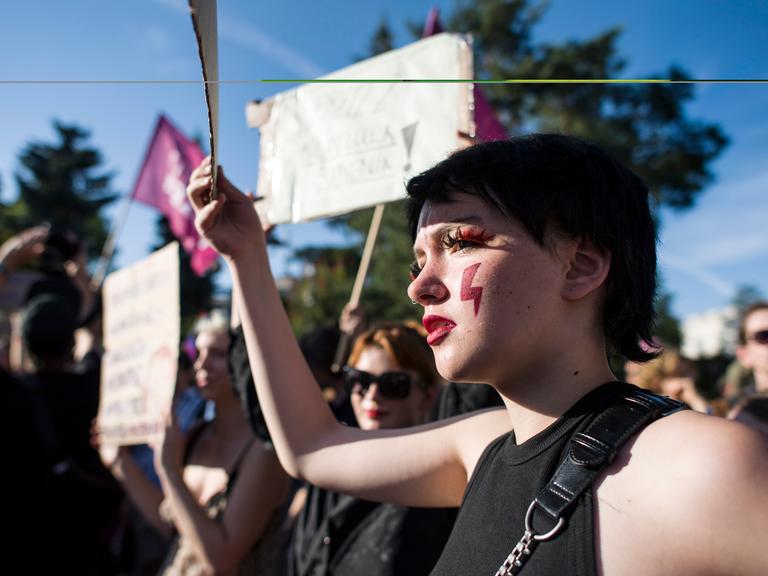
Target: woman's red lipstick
438 328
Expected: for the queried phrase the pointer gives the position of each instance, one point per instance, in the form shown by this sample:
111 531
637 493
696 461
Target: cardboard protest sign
329 148
141 341
205 24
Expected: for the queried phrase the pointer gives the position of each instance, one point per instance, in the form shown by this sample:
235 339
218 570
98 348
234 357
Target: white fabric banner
330 148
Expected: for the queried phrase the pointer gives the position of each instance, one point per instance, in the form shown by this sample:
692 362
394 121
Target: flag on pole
162 184
487 125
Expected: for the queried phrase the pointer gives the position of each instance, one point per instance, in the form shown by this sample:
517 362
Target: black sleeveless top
505 481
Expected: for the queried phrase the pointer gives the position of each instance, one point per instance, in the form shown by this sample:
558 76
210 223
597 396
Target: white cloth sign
330 148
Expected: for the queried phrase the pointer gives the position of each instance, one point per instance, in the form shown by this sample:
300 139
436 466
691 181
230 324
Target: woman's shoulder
472 433
688 474
692 458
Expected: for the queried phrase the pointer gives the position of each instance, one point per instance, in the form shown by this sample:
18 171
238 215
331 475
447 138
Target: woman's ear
588 268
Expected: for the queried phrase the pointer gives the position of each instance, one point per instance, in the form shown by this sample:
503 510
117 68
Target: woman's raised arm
423 466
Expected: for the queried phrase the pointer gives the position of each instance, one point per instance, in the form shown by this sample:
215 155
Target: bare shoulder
689 456
702 451
702 481
474 432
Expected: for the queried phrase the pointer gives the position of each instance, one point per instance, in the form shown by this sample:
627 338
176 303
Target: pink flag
487 125
162 183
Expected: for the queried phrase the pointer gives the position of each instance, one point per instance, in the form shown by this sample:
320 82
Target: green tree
317 297
382 40
63 183
645 125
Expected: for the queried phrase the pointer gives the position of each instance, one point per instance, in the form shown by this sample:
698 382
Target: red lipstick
438 328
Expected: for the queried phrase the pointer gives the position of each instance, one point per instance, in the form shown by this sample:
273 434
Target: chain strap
518 556
527 544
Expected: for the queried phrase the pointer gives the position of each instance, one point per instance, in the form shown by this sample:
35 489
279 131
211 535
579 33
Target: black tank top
505 481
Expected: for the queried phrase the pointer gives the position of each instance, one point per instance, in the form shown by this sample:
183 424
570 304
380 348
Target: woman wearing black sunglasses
391 378
392 382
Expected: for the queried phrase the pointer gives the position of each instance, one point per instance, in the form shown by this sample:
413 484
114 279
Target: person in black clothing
392 382
534 258
82 497
27 480
69 500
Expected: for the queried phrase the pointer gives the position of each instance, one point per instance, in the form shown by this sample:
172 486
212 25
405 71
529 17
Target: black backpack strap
596 447
591 451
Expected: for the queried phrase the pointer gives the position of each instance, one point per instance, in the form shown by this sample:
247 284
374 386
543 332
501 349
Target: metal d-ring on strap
591 451
527 544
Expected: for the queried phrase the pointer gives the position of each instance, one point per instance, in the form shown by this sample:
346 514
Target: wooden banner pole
357 288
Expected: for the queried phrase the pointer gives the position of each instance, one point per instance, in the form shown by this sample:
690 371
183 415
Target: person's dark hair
242 382
60 287
319 346
62 244
48 326
746 313
551 180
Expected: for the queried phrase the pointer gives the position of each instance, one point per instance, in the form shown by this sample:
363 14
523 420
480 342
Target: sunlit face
212 365
753 354
491 294
372 410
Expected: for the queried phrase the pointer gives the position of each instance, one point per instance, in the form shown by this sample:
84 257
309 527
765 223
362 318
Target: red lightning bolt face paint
469 292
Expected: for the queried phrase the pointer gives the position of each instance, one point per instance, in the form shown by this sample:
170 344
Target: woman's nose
427 288
372 393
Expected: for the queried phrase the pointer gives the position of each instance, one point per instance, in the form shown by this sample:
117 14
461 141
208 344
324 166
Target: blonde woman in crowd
222 488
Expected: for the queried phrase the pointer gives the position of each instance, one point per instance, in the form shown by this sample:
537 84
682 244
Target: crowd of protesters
212 497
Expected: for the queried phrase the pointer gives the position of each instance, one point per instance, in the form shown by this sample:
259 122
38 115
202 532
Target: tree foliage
62 183
644 125
317 297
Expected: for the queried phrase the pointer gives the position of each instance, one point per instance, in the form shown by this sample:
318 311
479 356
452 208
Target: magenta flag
487 125
162 184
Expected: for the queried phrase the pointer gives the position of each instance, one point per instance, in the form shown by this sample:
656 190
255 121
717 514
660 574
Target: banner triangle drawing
409 133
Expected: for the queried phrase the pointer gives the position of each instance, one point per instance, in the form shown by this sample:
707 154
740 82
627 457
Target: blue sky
705 252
